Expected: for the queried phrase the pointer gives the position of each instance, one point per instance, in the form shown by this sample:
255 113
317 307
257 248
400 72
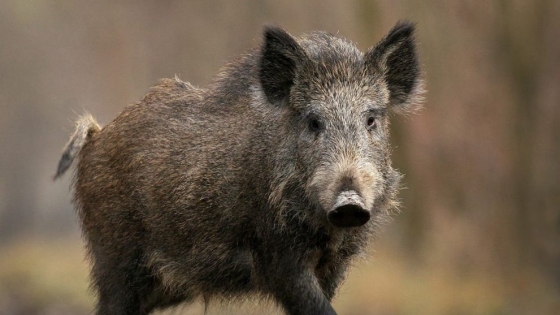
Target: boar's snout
348 210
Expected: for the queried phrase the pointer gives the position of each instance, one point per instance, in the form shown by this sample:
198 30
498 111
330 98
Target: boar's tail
86 126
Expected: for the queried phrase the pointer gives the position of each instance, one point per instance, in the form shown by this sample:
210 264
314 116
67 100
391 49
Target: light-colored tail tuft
86 126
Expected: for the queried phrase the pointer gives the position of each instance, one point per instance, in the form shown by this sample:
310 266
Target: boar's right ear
281 56
394 58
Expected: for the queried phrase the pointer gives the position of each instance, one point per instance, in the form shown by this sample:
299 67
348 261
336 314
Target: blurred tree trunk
543 201
531 50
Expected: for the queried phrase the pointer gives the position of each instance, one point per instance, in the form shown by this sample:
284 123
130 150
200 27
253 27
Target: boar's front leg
294 286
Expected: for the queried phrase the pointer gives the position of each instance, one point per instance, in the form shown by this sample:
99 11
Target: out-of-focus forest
479 231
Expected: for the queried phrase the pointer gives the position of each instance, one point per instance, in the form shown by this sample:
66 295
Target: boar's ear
394 59
281 55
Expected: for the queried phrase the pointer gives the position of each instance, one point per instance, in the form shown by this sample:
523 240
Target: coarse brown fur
224 192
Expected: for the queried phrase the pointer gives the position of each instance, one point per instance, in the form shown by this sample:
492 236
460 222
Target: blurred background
479 231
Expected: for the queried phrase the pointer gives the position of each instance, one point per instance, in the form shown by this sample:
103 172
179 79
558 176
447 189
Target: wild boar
266 183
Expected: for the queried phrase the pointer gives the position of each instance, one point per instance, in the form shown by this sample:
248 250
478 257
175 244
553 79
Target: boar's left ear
281 56
394 59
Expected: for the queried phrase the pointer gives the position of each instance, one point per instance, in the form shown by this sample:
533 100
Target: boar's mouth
348 210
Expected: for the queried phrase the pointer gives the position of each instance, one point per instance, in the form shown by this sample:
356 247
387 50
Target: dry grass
44 277
50 277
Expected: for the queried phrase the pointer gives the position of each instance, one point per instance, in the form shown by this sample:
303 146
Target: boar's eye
314 124
371 123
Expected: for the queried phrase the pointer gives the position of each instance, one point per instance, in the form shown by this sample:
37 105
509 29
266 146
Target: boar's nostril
348 211
348 216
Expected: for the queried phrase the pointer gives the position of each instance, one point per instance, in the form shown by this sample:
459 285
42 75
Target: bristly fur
226 192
